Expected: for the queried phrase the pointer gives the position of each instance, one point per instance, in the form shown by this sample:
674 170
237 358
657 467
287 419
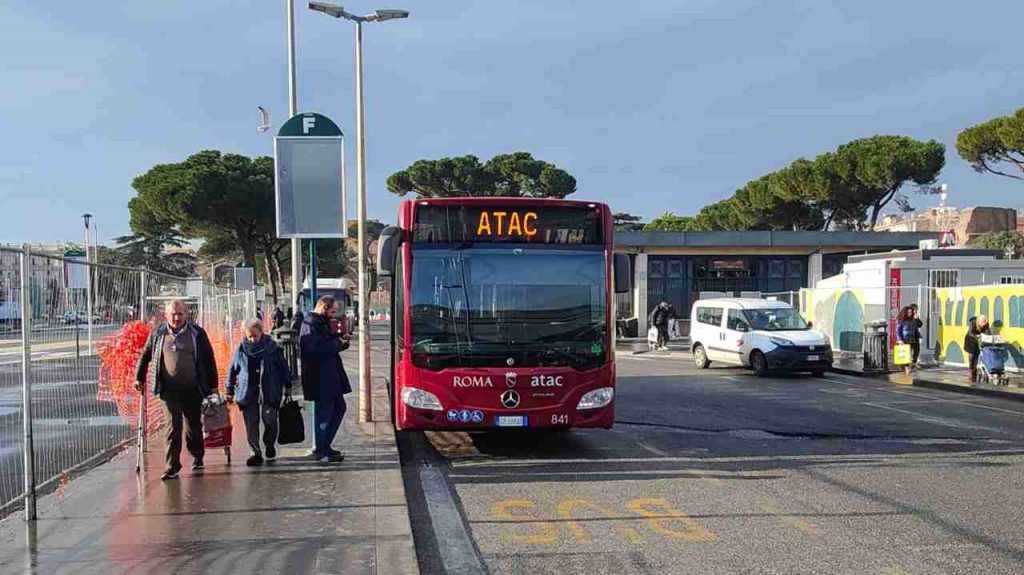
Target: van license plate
813 358
511 421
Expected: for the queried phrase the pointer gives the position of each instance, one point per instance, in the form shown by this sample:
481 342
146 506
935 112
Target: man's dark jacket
323 374
148 367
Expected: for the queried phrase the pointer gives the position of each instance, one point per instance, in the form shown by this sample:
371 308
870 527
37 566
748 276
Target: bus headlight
419 399
597 398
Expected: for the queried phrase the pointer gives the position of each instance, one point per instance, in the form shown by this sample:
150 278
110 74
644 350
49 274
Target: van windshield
777 319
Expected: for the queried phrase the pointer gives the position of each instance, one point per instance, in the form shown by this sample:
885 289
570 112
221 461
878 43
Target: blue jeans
329 413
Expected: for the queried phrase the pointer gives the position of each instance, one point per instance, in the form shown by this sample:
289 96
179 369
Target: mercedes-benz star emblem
510 399
510 379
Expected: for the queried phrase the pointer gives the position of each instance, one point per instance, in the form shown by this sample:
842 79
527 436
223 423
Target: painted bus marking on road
658 521
566 507
655 513
505 510
789 519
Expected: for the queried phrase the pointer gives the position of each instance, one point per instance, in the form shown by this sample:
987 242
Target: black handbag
291 428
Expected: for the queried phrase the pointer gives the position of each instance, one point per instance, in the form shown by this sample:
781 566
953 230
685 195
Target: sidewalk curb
940 385
985 391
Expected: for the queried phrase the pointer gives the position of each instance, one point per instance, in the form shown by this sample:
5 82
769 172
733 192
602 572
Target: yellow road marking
566 507
658 521
791 520
546 534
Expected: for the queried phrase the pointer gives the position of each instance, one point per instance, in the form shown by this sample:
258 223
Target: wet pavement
719 471
292 516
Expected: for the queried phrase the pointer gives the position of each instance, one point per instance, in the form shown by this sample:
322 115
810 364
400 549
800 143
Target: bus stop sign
308 174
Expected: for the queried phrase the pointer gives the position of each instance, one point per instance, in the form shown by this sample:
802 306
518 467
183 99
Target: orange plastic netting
119 353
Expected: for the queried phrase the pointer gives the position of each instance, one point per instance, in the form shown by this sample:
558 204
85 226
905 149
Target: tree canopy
847 188
624 222
227 200
669 222
516 175
995 143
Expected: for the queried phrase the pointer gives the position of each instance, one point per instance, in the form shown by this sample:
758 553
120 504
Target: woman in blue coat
257 380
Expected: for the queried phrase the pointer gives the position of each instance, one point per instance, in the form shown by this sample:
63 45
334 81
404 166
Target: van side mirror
387 251
623 273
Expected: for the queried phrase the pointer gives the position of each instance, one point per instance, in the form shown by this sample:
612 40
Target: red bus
502 313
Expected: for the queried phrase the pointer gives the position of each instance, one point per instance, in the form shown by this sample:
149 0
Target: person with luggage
178 364
976 327
323 375
258 379
297 318
908 331
659 319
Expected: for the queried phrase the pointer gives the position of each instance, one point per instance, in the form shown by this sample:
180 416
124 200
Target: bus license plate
511 421
813 358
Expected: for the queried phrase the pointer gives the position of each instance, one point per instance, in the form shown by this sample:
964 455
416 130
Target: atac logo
546 381
510 379
472 381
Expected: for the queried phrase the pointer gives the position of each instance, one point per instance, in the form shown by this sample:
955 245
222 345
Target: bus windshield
508 306
775 319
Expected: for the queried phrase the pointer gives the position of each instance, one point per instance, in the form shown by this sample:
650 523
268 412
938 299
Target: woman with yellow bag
908 333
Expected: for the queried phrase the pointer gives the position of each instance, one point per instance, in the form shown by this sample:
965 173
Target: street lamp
87 217
365 404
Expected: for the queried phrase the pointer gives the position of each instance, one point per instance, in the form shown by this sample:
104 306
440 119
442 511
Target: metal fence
842 312
70 334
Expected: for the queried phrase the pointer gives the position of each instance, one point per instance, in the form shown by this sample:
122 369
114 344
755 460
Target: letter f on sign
308 122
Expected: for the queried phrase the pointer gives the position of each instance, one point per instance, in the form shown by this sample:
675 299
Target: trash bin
876 347
288 339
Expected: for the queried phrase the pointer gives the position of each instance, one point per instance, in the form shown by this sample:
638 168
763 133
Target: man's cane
140 438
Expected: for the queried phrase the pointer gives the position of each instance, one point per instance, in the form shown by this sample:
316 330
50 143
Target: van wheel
700 357
758 363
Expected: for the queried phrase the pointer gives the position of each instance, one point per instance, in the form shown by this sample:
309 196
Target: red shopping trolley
217 424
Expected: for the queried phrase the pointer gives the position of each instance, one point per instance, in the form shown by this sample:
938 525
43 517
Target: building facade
676 267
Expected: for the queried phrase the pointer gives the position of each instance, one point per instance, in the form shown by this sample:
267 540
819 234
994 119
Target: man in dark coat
659 319
323 375
178 364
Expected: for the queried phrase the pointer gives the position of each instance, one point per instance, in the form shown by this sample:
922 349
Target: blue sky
653 106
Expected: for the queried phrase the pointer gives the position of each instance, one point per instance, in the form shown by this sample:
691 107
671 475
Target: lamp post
292 110
87 217
365 401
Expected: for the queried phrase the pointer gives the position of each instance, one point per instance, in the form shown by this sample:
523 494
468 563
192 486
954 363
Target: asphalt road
70 423
721 472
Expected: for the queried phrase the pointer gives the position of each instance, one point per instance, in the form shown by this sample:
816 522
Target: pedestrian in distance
297 318
908 331
976 327
323 375
278 318
659 319
178 366
259 313
258 379
673 321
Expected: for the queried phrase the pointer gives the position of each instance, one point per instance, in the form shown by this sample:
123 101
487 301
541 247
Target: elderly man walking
178 365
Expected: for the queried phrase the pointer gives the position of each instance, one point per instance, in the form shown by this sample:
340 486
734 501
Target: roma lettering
472 381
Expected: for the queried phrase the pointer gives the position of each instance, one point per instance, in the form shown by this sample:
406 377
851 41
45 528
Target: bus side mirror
387 251
623 273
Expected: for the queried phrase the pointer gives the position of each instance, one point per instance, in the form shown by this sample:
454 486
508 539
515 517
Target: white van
764 335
